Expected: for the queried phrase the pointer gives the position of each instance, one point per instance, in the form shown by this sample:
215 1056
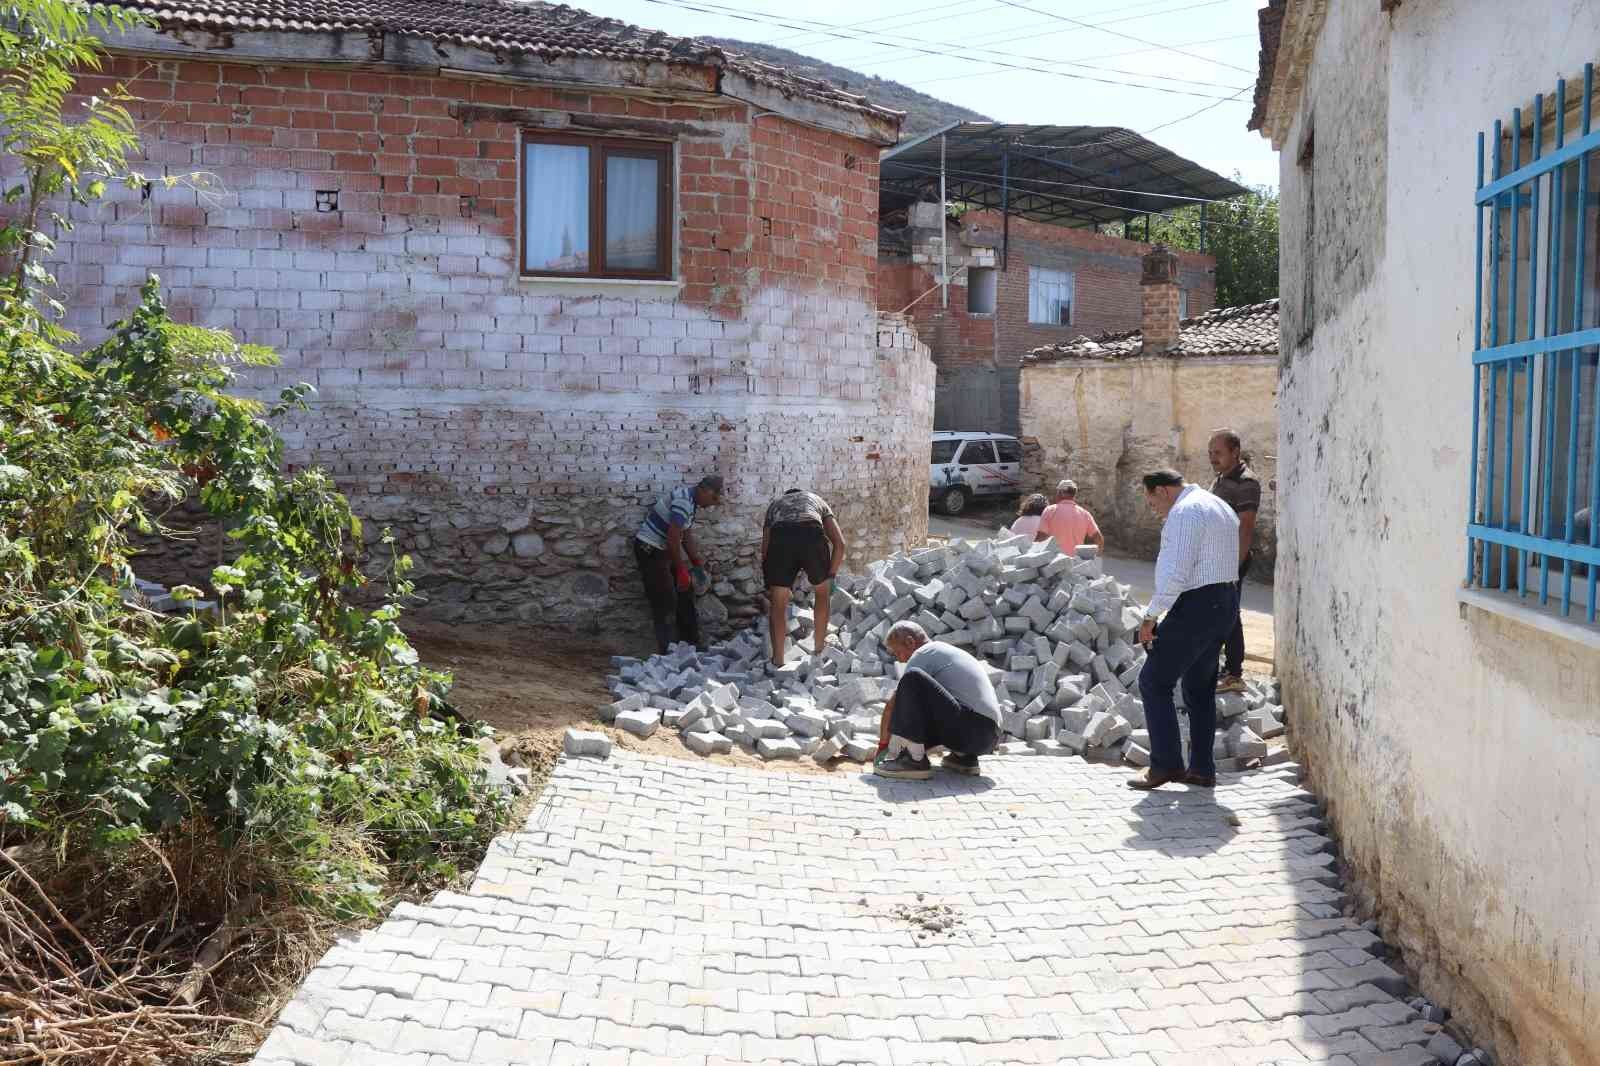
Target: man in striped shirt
1194 606
665 551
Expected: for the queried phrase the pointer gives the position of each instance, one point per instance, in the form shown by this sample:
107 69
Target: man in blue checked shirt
668 559
1193 609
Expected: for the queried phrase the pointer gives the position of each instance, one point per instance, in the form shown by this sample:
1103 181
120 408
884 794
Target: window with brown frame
596 207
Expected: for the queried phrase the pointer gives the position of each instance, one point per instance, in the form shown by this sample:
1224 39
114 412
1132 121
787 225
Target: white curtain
556 222
633 213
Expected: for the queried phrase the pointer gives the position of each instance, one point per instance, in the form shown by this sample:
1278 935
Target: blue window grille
1535 485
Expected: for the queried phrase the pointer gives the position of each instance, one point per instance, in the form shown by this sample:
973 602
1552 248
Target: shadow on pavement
1182 820
940 786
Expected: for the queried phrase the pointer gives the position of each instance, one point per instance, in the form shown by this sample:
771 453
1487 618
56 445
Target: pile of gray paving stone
1056 633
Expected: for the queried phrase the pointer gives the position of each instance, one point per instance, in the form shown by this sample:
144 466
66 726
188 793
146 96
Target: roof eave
1286 68
876 125
415 54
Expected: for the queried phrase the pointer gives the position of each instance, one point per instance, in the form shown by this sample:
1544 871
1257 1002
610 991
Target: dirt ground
531 683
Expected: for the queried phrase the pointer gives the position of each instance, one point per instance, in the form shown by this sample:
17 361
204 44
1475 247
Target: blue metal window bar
1536 360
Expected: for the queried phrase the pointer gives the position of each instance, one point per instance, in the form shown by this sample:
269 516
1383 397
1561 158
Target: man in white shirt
944 699
1194 607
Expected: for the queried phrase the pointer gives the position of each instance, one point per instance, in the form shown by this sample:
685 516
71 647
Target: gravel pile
1056 632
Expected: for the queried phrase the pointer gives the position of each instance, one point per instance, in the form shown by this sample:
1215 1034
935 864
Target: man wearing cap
1194 606
665 551
799 533
1068 523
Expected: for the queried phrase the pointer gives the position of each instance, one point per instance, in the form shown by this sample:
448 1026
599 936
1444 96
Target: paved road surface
662 911
1139 573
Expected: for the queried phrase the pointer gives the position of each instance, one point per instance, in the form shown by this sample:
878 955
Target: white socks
899 745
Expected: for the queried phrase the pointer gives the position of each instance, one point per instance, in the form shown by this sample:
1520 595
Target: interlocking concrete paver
1094 926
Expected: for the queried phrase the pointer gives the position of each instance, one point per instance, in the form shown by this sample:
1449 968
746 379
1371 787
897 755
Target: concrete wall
977 355
512 431
1458 749
1104 423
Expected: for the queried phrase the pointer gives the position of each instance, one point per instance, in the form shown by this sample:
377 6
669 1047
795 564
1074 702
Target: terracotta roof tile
517 26
1248 330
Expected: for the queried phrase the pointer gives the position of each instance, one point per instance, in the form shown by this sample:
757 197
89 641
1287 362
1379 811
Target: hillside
923 112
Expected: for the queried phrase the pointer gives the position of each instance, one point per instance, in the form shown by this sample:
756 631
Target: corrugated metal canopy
1067 175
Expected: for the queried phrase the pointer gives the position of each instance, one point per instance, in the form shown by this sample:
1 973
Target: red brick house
537 264
1059 283
1026 263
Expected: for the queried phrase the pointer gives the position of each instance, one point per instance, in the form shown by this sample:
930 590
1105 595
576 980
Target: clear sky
1187 53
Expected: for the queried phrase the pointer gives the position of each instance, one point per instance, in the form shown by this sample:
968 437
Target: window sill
1510 606
655 289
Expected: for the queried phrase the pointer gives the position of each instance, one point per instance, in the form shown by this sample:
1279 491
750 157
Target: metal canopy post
944 236
1005 205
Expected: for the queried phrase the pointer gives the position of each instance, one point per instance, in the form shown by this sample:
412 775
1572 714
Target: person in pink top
1070 524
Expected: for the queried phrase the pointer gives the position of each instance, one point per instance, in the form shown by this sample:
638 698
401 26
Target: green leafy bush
294 724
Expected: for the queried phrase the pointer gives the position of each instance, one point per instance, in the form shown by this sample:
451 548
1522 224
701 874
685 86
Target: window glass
633 208
556 221
1010 451
980 290
944 450
977 451
1050 296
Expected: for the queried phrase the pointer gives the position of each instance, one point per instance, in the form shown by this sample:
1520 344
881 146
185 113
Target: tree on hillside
1242 233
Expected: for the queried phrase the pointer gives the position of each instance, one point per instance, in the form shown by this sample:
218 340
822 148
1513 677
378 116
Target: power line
917 17
740 15
1088 66
1201 111
1030 33
1128 36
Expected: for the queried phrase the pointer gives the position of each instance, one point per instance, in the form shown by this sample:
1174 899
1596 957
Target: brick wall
512 432
977 355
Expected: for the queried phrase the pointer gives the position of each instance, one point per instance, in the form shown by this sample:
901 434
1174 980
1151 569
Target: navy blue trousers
1185 652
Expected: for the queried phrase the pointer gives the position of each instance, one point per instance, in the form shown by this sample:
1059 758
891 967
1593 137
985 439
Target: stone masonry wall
1456 744
512 431
1104 424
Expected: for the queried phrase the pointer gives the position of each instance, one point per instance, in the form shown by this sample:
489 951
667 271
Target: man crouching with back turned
944 700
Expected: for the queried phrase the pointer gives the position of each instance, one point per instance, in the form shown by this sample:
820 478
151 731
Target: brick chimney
1159 288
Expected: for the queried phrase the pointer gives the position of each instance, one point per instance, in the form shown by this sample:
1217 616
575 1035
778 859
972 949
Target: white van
971 465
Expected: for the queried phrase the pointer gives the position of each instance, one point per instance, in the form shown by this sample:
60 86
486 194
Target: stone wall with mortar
1104 423
512 431
1457 746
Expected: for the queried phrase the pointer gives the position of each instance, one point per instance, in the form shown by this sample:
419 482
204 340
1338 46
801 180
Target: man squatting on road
665 551
944 699
800 533
1198 592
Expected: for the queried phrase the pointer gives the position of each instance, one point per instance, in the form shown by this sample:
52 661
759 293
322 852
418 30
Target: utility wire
739 14
903 17
1079 62
1128 36
1031 33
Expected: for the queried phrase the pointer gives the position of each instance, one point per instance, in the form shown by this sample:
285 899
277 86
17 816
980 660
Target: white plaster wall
1459 752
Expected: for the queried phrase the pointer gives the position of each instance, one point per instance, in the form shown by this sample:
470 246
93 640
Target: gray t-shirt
798 508
961 675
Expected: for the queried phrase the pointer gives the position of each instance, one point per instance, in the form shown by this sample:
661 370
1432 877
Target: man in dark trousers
1240 489
799 533
1195 603
665 551
944 700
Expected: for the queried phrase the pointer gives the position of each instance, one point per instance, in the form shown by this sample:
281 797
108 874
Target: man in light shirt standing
1070 524
1194 607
